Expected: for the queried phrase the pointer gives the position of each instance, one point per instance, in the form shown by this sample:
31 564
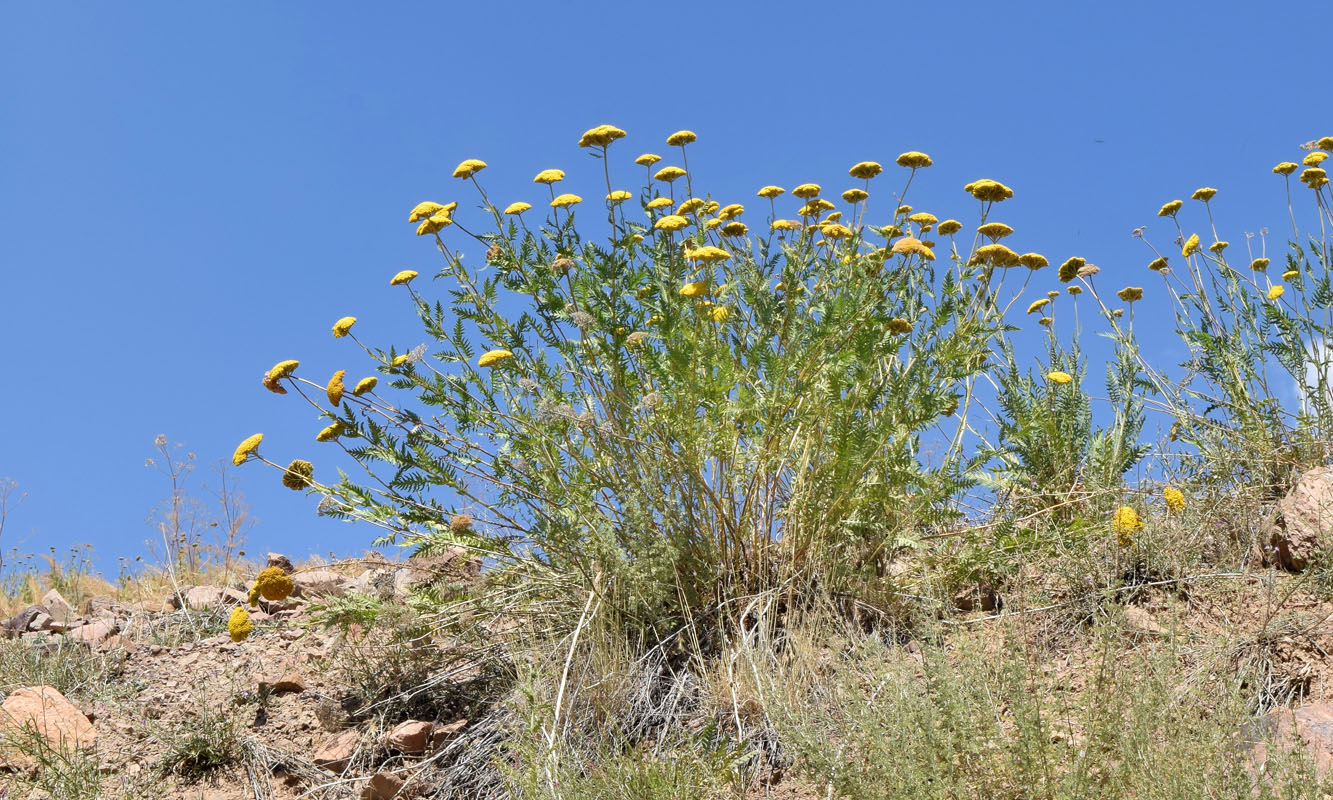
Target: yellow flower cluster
239 625
330 433
865 170
669 174
1125 522
914 160
1130 294
1191 246
342 326
647 160
770 192
1038 305
988 190
1033 261
493 357
601 136
1070 269
693 289
995 230
997 255
1175 499
566 200
246 448
469 168
707 254
1059 376
1169 209
334 389
949 227
517 208
1205 194
365 385
671 223
273 584
909 245
681 138
403 277
806 191
549 176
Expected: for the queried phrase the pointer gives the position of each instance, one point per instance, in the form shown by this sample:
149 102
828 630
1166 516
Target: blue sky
191 192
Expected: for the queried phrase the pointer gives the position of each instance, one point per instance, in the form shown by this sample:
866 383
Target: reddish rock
1309 727
320 582
281 562
209 598
289 682
336 753
981 597
46 711
1304 520
93 633
410 737
59 608
382 786
441 733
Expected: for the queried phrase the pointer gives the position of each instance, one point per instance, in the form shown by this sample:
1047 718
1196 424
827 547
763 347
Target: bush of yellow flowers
672 399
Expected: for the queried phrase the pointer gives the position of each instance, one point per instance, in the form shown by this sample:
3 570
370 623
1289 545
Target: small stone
336 753
59 608
93 633
289 682
410 737
382 786
440 733
320 582
281 562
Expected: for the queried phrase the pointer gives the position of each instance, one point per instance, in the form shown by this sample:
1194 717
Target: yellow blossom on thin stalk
1038 305
601 136
334 389
914 160
708 254
669 174
681 138
770 192
1059 376
720 314
493 357
549 176
1125 522
517 208
246 448
658 202
734 228
403 277
909 245
1070 269
1170 209
1289 274
693 289
1130 294
469 168
1175 499
423 210
343 326
865 170
1259 264
1314 159
730 211
806 191
1204 194
1157 264
671 223
855 195
1218 247
691 205
1275 291
239 625
329 433
618 196
988 190
365 385
566 200
995 230
647 159
1191 246
1034 261
1286 168
949 227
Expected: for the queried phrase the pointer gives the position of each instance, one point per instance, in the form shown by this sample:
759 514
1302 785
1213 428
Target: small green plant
68 773
69 668
209 739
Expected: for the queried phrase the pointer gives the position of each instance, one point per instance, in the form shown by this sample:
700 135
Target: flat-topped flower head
914 159
1038 305
658 202
1286 168
904 210
1275 291
707 254
343 326
786 225
469 167
1059 376
246 448
855 195
330 433
273 583
1314 159
690 206
693 289
734 228
1290 274
995 230
770 192
282 369
924 219
835 231
1191 246
988 190
636 339
1326 143
618 196
647 159
1175 499
423 210
671 223
566 200
1033 260
806 191
669 174
365 385
403 277
1157 264
1169 209
296 477
334 389
1204 194
997 255
1075 290
1130 294
681 138
949 227
910 245
1125 522
1259 264
720 313
601 136
517 208
865 170
899 326
1069 270
434 224
549 176
492 357
730 211
1314 177
1218 247
239 625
